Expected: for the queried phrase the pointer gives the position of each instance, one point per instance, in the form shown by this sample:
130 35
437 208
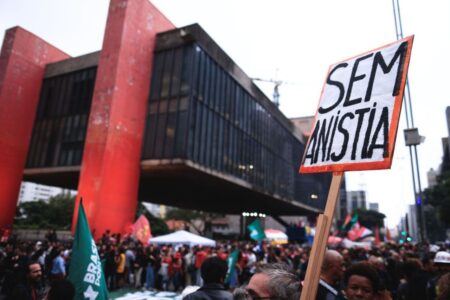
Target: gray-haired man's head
274 281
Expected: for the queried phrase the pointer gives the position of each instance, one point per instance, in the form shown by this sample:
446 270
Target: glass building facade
61 121
202 110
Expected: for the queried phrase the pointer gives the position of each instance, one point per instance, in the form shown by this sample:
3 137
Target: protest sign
355 129
357 118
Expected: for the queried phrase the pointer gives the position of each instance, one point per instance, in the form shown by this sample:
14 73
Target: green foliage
188 216
439 197
157 225
183 214
434 226
370 218
56 213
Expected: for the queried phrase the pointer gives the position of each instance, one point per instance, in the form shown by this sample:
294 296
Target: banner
358 232
85 270
377 236
231 263
350 221
256 231
357 119
388 235
141 230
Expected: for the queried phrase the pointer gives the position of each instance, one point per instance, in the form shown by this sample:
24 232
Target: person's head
411 267
275 281
361 281
60 289
213 270
442 261
332 267
38 245
443 287
377 262
239 294
34 271
427 263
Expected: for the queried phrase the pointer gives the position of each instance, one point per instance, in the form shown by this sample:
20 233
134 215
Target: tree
182 214
439 197
157 225
435 228
189 216
186 215
56 213
370 218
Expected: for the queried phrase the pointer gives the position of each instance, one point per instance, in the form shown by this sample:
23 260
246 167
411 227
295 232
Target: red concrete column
110 168
22 64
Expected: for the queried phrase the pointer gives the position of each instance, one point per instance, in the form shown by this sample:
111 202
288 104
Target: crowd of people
261 271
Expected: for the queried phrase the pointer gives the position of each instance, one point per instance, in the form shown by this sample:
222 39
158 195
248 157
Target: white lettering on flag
90 293
94 269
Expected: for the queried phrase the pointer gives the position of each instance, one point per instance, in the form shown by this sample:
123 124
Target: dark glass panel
170 135
167 74
61 119
204 114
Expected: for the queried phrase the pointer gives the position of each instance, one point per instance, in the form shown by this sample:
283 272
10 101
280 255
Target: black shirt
212 291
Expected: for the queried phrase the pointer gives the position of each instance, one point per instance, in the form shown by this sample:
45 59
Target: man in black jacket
213 272
331 276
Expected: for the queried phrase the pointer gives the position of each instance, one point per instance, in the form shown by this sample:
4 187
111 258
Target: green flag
349 222
85 270
256 231
231 263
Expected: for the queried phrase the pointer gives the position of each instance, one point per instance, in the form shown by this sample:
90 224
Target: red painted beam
22 64
110 168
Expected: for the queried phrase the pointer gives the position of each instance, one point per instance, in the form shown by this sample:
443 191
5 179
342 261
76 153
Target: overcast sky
292 41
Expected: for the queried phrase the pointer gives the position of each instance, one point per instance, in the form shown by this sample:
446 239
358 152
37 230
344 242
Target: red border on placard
375 165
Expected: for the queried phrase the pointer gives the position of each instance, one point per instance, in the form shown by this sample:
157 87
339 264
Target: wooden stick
320 240
312 273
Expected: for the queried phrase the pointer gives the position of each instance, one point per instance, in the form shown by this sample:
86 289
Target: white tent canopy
183 237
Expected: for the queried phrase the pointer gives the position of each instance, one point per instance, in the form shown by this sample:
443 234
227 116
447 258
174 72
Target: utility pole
412 137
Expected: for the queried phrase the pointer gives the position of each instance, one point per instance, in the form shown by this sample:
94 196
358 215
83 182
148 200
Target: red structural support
22 64
110 168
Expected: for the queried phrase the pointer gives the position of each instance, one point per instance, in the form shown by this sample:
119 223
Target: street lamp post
412 137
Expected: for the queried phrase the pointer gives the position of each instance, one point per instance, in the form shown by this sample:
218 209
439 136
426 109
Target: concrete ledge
72 64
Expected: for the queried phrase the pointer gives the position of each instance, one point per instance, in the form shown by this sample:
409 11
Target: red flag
349 222
141 230
128 229
388 234
358 232
347 219
377 236
5 233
